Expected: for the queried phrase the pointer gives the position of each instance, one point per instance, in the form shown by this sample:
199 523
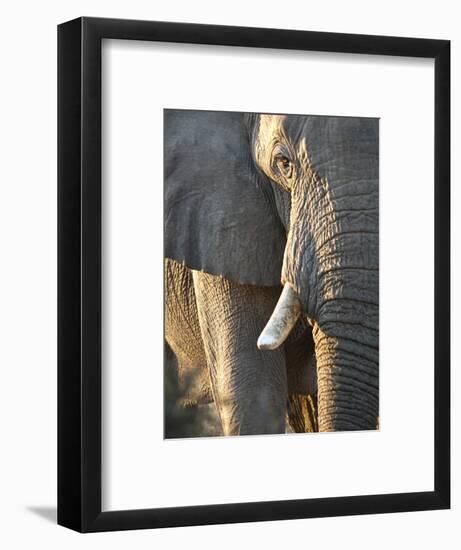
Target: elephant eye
284 165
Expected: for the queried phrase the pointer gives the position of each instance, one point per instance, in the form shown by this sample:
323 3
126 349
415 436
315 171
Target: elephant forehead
339 149
269 133
269 125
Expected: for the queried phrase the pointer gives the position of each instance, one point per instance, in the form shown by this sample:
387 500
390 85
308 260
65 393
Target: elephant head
329 166
293 200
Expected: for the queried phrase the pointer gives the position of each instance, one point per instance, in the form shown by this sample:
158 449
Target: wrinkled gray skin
212 325
252 202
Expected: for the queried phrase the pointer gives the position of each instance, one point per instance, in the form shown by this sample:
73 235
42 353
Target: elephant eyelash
284 166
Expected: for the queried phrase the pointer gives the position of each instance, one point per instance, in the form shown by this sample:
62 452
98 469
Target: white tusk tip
266 342
282 320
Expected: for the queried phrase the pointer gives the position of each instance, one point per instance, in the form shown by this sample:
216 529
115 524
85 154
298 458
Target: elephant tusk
283 319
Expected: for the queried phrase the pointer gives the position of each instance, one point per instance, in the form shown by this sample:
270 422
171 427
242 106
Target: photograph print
271 273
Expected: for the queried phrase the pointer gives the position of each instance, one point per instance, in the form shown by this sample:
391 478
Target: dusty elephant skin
212 325
253 202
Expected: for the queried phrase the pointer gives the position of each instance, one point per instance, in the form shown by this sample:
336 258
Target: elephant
272 267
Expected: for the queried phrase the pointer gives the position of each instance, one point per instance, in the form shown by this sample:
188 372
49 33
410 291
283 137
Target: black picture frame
79 274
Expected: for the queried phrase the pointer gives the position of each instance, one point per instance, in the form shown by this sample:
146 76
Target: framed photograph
254 274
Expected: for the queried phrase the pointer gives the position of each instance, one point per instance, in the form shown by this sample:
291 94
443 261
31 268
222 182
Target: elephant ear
217 218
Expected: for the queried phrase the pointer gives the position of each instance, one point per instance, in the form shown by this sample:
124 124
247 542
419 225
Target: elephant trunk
347 375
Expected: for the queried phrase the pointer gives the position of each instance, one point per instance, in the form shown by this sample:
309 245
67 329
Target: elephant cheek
298 271
300 263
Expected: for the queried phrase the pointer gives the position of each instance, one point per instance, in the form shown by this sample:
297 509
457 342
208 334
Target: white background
136 459
28 295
